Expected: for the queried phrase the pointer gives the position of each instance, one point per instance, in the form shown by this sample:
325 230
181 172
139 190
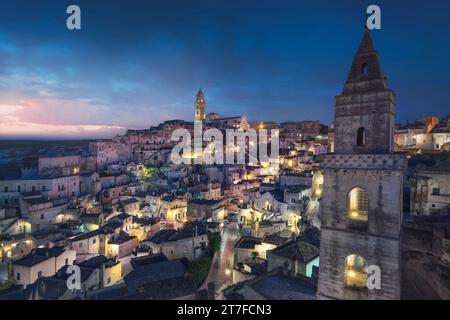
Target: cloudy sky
136 63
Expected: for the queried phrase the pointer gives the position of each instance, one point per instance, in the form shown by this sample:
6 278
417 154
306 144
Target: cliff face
426 259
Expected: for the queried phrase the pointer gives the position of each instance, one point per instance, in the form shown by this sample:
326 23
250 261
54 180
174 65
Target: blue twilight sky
136 63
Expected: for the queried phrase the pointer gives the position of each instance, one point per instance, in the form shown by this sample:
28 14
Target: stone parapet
395 162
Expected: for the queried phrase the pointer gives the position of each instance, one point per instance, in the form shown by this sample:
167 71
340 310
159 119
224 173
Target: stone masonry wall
337 245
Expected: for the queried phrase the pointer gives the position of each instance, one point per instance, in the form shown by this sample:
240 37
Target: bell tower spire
200 106
365 110
365 67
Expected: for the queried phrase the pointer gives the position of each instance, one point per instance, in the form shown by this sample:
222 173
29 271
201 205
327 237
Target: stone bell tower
200 106
363 188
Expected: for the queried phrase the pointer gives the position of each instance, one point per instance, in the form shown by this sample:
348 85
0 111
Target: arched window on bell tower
355 272
361 137
358 208
364 69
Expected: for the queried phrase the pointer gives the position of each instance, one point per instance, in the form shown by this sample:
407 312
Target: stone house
105 151
121 245
430 190
213 210
96 273
41 263
130 206
41 211
58 166
187 243
294 178
55 188
298 257
245 249
90 183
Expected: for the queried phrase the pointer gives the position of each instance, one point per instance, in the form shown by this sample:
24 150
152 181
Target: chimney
211 294
42 286
201 295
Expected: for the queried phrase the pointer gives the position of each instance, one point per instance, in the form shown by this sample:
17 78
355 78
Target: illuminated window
355 271
361 137
358 208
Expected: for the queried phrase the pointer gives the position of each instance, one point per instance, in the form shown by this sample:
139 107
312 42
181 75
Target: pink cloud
31 118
